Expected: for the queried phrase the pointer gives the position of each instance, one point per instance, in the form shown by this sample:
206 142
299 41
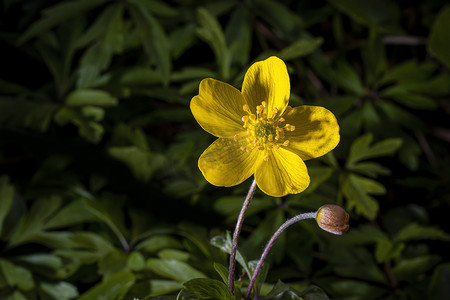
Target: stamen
236 137
242 148
281 119
286 143
266 156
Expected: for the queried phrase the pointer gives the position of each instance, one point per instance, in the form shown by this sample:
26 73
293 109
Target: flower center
264 133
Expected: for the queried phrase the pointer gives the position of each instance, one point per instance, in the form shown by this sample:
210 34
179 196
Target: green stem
237 231
310 215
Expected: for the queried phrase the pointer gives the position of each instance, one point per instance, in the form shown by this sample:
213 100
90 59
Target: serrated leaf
205 288
357 190
173 269
143 164
114 287
439 40
438 288
211 32
415 231
16 276
361 148
386 250
300 48
58 14
410 268
370 169
238 35
224 244
35 115
162 287
222 271
93 97
59 291
153 38
6 199
278 16
375 13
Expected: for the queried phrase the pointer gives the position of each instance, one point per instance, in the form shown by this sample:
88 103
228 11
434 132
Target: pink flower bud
332 218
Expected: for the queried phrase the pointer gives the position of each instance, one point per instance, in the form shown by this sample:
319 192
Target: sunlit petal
223 163
283 173
267 80
218 108
316 131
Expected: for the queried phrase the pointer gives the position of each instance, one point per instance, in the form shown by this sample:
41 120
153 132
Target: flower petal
316 131
267 80
223 163
284 173
218 108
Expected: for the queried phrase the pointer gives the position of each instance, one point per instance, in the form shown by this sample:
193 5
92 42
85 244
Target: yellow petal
283 173
267 80
316 131
223 163
218 108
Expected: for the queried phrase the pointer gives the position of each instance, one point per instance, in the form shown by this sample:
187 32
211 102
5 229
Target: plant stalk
310 215
237 231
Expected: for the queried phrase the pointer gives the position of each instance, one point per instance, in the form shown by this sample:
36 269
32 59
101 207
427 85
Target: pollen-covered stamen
264 129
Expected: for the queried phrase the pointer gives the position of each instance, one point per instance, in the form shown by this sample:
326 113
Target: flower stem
237 231
310 215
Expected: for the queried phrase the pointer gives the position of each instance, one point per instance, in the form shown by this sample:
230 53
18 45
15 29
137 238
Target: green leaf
439 40
58 14
153 38
115 287
33 223
143 164
357 190
410 268
162 287
386 250
370 169
174 254
300 48
361 148
438 288
16 276
173 269
59 291
415 231
238 35
35 115
224 244
410 70
211 32
87 128
74 213
155 243
279 16
205 288
231 206
136 261
222 271
6 199
375 13
83 97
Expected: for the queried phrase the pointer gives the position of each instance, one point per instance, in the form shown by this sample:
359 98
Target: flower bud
332 218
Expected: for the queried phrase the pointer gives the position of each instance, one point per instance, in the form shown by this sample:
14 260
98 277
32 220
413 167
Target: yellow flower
258 133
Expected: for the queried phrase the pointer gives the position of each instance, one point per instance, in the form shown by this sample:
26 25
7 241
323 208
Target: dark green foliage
100 194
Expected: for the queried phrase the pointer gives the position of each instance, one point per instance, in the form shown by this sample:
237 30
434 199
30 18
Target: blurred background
100 194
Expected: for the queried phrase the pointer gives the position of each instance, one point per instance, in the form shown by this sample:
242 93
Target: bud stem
310 215
237 231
